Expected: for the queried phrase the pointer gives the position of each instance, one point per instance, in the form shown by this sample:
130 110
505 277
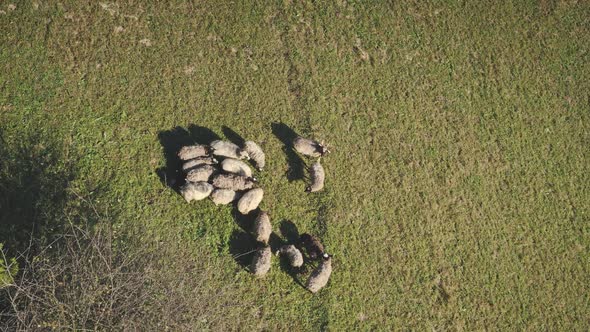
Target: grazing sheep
196 191
250 200
236 166
223 196
313 246
193 151
262 227
320 276
187 166
317 175
292 254
201 173
228 150
309 147
233 182
256 154
261 261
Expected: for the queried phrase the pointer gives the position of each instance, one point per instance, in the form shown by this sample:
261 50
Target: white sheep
193 151
262 227
317 176
309 147
292 254
196 191
320 276
223 196
190 164
233 182
261 261
250 200
256 154
236 166
228 150
201 173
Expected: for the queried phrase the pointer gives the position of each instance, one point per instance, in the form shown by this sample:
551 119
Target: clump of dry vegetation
87 279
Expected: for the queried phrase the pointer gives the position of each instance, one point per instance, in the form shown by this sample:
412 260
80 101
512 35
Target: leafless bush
82 280
87 280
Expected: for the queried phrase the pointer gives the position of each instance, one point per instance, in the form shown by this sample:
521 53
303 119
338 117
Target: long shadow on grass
233 136
171 141
289 231
33 191
242 247
286 135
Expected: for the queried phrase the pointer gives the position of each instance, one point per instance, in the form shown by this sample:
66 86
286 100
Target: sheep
256 154
236 166
309 147
193 151
228 150
233 182
292 254
262 227
223 196
250 200
201 173
196 191
317 176
313 246
320 276
261 262
189 165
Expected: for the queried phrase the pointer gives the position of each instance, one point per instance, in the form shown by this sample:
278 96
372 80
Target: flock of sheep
231 180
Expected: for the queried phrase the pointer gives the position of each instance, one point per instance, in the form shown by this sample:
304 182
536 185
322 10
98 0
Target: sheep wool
320 276
236 166
233 182
262 227
313 246
228 150
196 191
193 151
250 200
317 176
292 254
189 165
201 173
309 147
256 154
261 262
223 196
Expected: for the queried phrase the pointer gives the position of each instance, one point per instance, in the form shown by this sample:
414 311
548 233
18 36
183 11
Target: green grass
458 189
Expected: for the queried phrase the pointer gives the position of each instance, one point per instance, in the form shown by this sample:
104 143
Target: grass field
458 187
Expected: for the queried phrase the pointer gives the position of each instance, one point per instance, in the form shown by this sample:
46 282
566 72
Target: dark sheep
312 245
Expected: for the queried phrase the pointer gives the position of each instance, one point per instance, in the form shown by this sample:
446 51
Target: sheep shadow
172 141
244 221
286 135
242 248
289 231
233 136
